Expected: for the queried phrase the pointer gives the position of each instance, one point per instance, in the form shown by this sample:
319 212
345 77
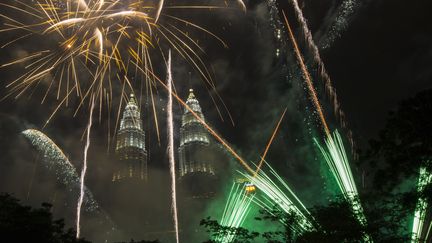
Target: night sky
383 55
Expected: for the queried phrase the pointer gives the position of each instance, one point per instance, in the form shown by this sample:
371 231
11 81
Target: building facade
130 148
194 142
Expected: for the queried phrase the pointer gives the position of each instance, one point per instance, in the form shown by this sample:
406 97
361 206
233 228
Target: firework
89 43
335 156
331 91
242 5
270 142
340 23
425 178
308 79
84 170
337 160
236 210
170 128
57 161
277 192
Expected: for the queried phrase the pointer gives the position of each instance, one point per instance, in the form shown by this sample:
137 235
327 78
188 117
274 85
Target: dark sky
383 55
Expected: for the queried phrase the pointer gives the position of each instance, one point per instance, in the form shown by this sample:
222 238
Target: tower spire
132 100
191 94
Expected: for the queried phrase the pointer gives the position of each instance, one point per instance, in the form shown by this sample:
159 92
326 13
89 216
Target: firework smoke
84 170
171 147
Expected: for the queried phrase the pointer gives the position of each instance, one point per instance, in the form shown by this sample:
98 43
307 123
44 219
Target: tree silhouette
23 224
405 143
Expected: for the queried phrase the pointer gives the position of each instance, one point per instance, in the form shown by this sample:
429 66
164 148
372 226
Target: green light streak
236 210
425 178
277 192
336 158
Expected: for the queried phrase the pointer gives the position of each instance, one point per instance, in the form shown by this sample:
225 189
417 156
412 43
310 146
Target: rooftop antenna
190 80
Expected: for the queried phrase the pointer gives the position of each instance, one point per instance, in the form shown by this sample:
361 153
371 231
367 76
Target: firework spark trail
242 5
263 156
277 192
159 10
425 179
57 161
236 210
171 147
341 21
84 170
307 78
331 91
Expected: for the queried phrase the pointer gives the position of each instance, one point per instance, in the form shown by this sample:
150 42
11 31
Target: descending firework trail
308 79
84 170
425 179
171 147
57 161
340 23
236 210
323 72
277 192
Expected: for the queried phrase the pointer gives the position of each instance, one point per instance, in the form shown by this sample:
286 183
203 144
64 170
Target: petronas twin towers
194 141
193 153
130 147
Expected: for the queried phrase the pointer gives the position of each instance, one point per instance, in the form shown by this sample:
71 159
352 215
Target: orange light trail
308 79
270 142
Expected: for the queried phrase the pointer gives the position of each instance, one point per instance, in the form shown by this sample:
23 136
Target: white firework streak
421 210
242 5
340 23
83 171
55 160
331 91
159 10
171 147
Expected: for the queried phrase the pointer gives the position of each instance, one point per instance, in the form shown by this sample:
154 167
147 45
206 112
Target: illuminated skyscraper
130 147
194 142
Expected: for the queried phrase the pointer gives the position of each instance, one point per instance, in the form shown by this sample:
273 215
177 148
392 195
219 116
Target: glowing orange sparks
270 142
308 79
